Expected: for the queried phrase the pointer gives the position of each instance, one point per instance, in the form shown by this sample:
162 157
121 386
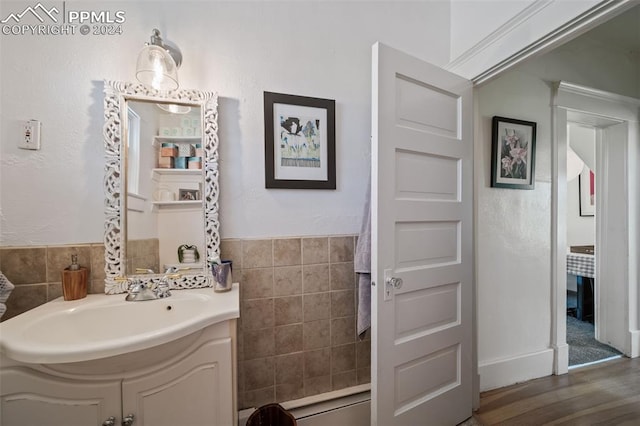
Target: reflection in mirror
164 187
161 185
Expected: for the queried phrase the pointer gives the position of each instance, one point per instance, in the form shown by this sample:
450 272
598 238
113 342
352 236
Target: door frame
614 109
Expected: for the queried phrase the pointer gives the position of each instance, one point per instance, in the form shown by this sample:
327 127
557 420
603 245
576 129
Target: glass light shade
175 109
156 68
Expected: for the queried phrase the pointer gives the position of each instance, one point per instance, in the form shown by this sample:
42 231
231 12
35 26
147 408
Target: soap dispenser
74 280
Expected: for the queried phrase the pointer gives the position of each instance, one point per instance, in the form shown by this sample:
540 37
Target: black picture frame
300 150
513 153
586 193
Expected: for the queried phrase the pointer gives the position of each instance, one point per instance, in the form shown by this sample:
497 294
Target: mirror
163 152
161 185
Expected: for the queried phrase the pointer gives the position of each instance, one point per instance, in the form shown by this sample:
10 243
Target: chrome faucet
138 291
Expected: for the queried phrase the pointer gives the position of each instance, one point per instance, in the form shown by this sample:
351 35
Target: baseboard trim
505 372
635 343
561 359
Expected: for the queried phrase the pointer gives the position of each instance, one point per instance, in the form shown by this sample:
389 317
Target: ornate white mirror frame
117 94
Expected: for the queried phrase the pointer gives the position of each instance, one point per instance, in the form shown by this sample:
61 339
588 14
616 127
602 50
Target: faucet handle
134 286
163 288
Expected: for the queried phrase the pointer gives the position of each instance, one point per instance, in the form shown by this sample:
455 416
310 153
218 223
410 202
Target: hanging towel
362 266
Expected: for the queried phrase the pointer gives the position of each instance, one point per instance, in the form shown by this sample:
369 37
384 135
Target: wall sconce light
158 63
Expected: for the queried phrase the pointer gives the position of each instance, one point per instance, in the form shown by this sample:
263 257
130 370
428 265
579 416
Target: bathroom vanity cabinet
189 381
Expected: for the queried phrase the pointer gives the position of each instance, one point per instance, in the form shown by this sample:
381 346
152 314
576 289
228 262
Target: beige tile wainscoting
297 318
297 330
36 273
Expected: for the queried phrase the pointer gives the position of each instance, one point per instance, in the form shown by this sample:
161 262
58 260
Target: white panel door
612 237
422 254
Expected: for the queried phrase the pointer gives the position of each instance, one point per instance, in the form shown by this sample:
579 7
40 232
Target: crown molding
564 86
482 62
501 33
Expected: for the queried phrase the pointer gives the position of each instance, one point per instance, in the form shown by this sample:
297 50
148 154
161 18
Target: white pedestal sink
100 326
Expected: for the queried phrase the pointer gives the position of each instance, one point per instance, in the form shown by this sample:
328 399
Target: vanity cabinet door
33 398
197 390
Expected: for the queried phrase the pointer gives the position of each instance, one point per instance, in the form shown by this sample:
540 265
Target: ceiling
621 32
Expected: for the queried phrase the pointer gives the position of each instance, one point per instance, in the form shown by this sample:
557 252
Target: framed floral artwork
513 153
300 142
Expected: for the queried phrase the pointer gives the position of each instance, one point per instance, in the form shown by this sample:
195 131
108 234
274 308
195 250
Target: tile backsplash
297 328
36 273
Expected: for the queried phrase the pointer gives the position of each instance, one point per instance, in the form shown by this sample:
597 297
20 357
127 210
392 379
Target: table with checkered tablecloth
583 265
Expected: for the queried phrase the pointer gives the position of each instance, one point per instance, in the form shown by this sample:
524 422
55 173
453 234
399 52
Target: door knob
394 282
391 284
111 421
128 421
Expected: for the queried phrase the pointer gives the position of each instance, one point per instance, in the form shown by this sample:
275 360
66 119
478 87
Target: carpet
583 347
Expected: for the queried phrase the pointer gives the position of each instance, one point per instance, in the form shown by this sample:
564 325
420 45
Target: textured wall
238 49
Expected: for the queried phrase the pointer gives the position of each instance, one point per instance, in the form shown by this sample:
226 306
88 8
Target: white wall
513 237
239 49
581 230
582 139
513 227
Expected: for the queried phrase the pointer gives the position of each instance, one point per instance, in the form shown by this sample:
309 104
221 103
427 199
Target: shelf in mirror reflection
195 172
177 204
158 140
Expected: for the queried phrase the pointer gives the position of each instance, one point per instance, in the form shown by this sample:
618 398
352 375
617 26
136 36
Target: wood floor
604 394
